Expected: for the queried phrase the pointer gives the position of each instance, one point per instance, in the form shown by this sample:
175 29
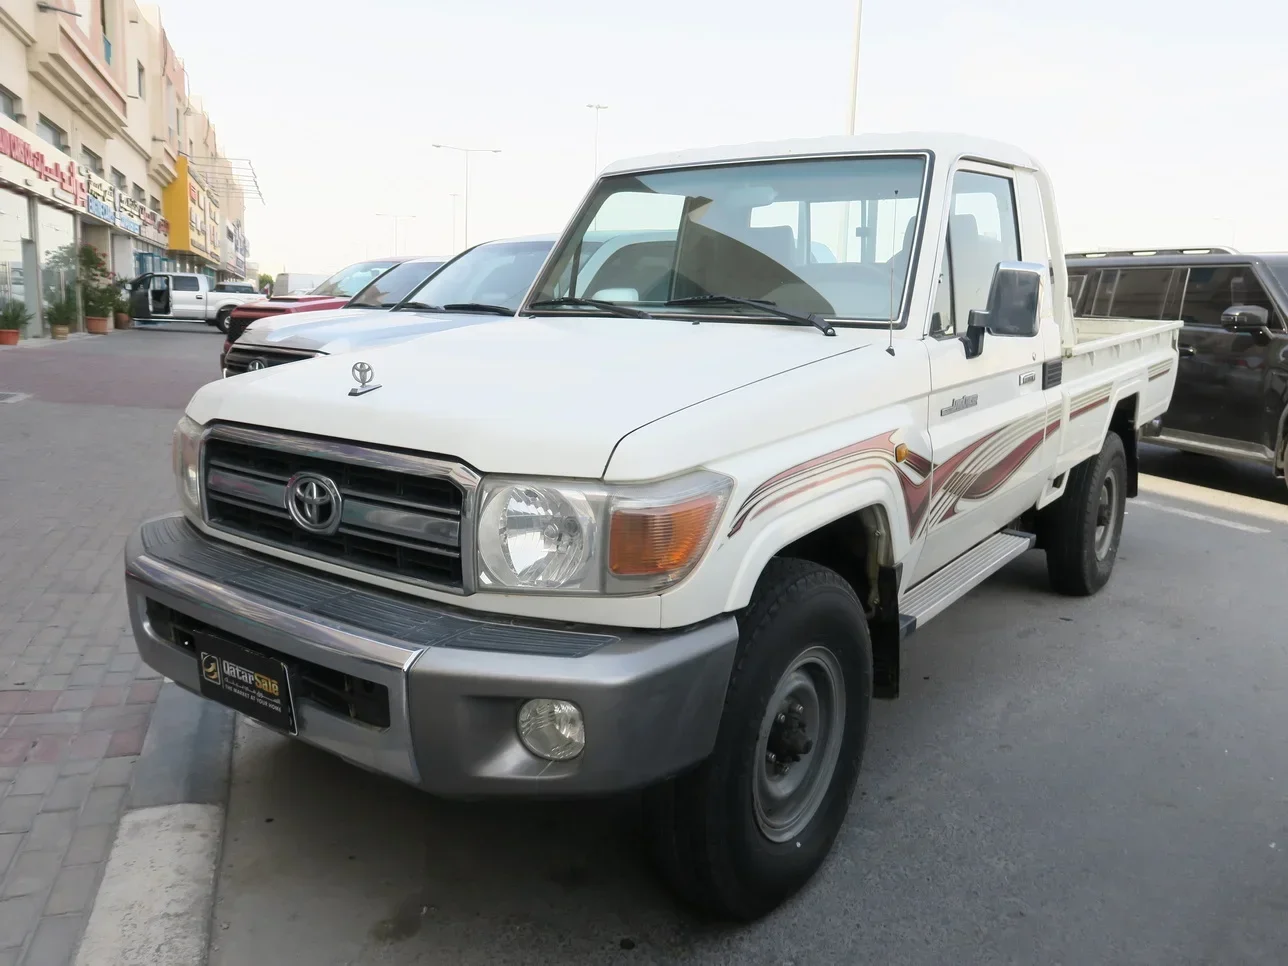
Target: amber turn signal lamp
901 452
648 541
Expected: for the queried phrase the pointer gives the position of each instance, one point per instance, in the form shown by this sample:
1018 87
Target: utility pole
467 152
597 108
396 219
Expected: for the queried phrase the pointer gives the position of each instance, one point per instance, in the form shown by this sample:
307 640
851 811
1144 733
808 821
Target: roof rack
1144 252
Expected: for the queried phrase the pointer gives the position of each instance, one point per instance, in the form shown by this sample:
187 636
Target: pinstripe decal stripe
931 492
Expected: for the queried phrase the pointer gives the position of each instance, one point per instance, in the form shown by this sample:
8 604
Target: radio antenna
893 253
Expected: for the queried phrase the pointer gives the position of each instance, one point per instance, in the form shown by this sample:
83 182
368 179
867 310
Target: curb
155 902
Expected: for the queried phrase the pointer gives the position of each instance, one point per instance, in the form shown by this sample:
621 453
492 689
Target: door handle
198 298
1185 350
1027 378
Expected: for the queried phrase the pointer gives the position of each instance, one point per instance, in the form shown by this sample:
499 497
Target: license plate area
253 684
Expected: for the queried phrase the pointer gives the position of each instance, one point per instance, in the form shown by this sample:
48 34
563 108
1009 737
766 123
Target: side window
186 283
981 232
1139 293
1213 290
1077 281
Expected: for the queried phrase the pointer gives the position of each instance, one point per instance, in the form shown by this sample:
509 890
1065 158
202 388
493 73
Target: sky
1158 120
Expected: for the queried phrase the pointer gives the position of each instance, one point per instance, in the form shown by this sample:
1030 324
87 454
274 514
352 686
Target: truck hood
546 397
349 329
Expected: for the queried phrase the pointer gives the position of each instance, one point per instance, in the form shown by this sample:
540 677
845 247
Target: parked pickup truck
187 297
667 529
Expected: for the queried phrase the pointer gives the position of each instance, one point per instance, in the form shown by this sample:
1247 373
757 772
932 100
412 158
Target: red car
334 293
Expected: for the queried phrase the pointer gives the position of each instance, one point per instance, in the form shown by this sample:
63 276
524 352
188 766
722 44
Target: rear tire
1082 529
747 828
221 320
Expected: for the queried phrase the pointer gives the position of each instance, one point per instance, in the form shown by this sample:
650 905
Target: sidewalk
81 468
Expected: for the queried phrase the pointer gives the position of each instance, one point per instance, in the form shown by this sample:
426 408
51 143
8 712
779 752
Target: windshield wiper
477 307
611 307
422 306
763 304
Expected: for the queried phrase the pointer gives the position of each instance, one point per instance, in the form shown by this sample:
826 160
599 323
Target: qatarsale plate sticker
256 685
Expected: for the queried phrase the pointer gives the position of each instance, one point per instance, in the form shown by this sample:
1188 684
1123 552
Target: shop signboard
155 228
129 214
101 198
34 165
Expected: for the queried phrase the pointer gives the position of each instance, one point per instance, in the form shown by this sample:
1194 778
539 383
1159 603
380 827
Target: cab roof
941 144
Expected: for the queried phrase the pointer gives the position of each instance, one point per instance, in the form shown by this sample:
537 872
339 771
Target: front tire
221 320
747 828
1082 529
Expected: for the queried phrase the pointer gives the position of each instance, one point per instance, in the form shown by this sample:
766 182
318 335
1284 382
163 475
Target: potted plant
61 315
13 319
97 289
100 303
121 302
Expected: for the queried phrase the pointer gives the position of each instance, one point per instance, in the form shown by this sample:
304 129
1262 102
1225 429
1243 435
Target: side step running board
955 580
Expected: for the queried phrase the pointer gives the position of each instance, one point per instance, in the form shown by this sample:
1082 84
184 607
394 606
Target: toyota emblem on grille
363 375
256 365
314 502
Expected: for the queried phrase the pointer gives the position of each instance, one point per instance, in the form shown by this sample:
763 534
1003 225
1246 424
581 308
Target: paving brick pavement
82 462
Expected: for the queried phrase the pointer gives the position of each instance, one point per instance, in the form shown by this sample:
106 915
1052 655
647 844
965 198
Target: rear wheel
221 319
1082 529
743 831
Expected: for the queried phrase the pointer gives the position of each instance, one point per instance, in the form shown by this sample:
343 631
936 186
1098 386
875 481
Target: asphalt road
1062 781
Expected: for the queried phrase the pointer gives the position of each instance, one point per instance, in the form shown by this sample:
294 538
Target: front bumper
651 701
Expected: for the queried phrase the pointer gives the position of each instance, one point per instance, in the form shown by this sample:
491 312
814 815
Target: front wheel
746 829
221 320
1081 530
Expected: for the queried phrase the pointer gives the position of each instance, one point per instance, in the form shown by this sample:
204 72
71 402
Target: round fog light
552 729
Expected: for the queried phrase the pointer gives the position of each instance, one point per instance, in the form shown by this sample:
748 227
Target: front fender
812 513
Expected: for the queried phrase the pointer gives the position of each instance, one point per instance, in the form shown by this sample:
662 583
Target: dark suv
1231 396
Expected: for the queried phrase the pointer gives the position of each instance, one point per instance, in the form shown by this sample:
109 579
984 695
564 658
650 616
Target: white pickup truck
187 297
668 531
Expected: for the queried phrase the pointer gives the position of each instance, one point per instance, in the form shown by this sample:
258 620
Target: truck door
988 418
1229 385
187 294
140 303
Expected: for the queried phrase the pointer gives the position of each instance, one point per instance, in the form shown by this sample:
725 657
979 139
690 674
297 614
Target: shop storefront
187 206
234 251
42 191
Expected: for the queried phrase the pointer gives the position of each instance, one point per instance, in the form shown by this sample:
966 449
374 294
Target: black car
1231 396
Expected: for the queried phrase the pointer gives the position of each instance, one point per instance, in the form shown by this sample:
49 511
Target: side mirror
1013 301
1245 318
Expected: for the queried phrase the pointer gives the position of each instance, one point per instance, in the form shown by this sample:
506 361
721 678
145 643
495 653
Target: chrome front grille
241 358
399 515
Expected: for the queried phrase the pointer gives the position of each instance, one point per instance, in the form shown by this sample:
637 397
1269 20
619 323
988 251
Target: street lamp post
466 200
396 219
597 108
455 196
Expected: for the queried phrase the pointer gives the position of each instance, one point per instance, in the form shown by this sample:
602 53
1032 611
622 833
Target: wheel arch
1124 423
835 531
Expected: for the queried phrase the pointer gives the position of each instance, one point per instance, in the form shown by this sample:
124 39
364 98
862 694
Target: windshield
495 273
393 286
346 282
831 237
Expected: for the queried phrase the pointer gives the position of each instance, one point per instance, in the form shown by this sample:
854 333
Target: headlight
572 537
186 453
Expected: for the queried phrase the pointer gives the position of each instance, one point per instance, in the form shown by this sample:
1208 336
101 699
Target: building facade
101 144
